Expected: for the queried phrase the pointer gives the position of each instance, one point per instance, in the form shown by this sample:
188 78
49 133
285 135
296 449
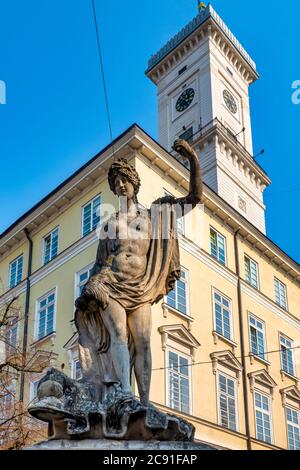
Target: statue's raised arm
196 185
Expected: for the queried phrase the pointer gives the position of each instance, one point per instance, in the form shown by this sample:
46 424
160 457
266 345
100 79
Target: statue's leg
115 320
139 323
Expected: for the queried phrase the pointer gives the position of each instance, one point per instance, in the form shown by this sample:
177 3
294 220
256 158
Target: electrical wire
236 357
102 70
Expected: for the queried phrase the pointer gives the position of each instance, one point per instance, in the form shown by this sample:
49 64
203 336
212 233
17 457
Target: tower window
229 71
187 134
182 70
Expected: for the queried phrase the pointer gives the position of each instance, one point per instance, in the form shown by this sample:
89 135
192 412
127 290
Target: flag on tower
201 5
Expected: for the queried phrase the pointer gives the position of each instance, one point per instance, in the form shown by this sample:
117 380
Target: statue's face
123 187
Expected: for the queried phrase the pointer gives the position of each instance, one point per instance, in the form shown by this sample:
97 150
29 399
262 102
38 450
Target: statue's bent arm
194 196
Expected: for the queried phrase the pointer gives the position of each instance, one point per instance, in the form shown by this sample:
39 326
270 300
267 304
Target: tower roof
204 16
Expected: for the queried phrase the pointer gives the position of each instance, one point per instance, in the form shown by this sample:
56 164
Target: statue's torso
127 251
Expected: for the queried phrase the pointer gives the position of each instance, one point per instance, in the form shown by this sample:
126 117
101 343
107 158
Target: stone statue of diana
137 263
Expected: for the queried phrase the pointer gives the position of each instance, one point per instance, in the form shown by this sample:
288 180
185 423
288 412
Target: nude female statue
131 273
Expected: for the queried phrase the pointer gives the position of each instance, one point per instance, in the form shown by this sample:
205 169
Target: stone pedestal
114 445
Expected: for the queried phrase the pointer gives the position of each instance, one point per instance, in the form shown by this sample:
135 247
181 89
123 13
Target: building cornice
235 152
207 24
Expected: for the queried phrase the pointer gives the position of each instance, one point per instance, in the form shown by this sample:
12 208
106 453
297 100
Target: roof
190 28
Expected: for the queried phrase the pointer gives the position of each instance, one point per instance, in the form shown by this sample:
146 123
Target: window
263 417
251 272
76 371
218 246
179 382
177 298
15 272
280 294
45 315
287 355
180 220
91 216
81 279
187 134
12 339
293 429
182 70
257 337
227 402
222 314
51 246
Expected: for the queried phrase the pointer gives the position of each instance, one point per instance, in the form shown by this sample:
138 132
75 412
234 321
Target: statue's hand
183 148
93 291
82 302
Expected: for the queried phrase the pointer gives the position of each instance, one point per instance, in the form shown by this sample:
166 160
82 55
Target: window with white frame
12 338
45 315
287 355
222 315
178 297
82 278
280 294
180 220
15 272
251 272
50 250
227 400
91 215
263 417
257 336
217 246
76 370
178 382
293 428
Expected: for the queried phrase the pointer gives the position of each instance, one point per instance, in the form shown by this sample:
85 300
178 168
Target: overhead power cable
102 70
211 362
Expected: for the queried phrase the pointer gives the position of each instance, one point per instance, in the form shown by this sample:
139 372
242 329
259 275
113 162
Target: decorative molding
179 334
208 260
285 375
42 359
72 342
217 337
228 360
262 377
290 393
270 305
167 309
254 357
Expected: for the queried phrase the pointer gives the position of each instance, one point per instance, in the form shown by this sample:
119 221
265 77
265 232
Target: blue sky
55 117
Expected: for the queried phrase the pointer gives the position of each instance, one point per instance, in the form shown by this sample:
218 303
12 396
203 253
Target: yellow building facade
224 343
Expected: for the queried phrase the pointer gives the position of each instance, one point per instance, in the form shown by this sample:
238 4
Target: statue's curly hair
122 167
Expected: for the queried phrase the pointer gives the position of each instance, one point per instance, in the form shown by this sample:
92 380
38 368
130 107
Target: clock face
230 101
185 99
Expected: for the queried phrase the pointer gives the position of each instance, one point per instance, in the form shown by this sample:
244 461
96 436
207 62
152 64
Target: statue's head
123 179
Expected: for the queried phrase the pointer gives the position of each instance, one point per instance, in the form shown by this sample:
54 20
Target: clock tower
203 76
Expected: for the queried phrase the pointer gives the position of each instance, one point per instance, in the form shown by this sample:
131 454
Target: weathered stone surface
72 412
112 445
